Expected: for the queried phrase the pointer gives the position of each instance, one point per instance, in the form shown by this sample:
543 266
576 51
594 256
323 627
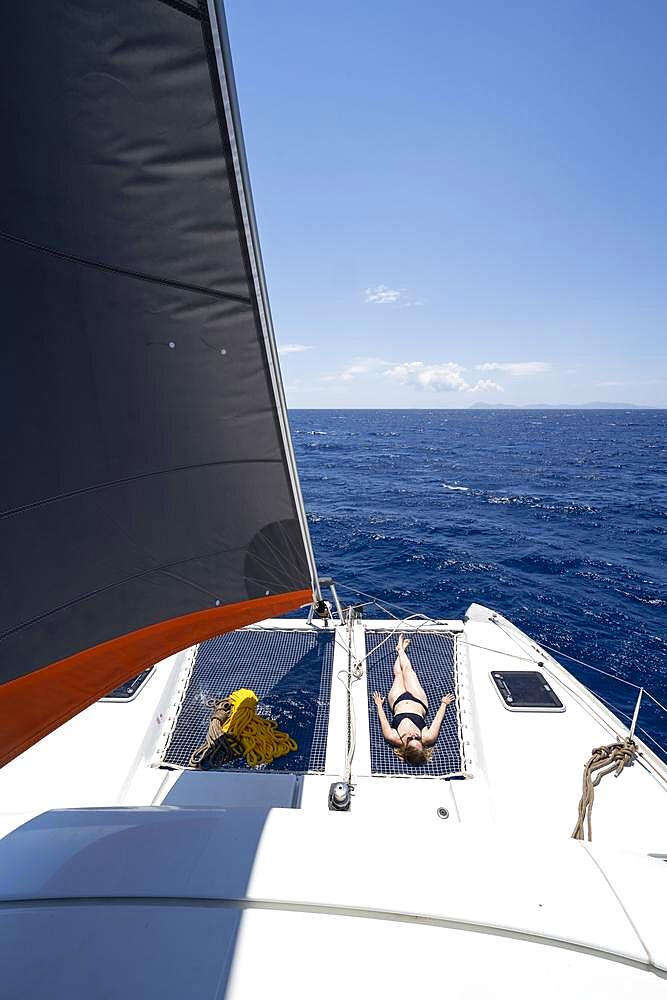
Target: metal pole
636 713
334 594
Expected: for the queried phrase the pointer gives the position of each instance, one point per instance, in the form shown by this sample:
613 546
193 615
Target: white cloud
294 348
516 367
446 377
486 385
359 366
382 295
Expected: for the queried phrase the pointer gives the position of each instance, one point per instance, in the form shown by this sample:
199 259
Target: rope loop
235 730
603 760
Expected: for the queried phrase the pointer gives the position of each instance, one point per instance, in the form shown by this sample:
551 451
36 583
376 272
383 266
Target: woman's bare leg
410 679
398 687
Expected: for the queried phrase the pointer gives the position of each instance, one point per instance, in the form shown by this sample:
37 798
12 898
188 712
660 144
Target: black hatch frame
525 691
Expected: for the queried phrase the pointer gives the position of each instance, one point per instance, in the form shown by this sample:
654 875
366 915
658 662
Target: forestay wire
384 607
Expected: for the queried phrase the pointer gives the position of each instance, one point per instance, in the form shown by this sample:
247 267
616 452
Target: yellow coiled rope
260 738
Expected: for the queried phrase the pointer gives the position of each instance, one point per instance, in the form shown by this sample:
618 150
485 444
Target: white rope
624 715
347 681
529 658
649 695
392 604
590 666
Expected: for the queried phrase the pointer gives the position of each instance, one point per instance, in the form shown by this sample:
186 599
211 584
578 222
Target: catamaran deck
284 867
522 770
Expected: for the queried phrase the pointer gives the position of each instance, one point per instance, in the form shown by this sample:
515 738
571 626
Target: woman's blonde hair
414 753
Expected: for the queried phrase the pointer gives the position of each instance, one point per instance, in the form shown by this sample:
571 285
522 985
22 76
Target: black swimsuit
417 720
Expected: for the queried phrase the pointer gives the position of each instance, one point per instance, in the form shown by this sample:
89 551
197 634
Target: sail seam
183 8
163 569
15 511
126 272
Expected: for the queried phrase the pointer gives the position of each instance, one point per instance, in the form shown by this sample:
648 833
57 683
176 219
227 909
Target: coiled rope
218 748
235 730
603 760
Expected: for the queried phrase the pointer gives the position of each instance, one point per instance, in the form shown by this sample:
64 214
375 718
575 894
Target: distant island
560 406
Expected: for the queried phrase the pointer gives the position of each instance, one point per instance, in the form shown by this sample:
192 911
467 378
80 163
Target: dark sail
149 497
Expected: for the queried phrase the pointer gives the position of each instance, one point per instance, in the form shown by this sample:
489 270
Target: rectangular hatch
526 691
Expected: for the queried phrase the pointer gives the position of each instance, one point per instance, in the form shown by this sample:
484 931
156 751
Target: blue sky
460 202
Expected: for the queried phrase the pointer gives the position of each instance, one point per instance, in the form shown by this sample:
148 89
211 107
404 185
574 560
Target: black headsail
149 496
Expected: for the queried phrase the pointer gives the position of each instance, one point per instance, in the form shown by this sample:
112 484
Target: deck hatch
290 671
130 689
433 657
526 691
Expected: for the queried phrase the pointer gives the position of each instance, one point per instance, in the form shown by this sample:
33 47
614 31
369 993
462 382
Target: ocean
555 518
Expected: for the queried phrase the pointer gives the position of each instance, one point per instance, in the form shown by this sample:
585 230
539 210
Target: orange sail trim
34 705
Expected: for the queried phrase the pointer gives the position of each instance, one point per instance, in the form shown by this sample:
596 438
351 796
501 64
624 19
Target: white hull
248 882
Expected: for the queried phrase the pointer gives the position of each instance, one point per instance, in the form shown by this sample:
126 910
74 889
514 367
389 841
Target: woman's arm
430 735
389 734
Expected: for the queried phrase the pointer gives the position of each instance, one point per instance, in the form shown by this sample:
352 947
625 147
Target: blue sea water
555 518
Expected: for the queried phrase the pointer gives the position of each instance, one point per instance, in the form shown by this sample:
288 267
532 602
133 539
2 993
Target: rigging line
394 631
590 666
386 611
467 642
515 639
390 614
401 621
134 479
659 704
614 709
411 615
496 652
617 711
391 604
347 681
353 673
528 659
125 272
360 662
599 670
543 644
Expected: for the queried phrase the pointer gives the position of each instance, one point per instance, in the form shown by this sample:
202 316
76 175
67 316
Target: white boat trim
265 850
